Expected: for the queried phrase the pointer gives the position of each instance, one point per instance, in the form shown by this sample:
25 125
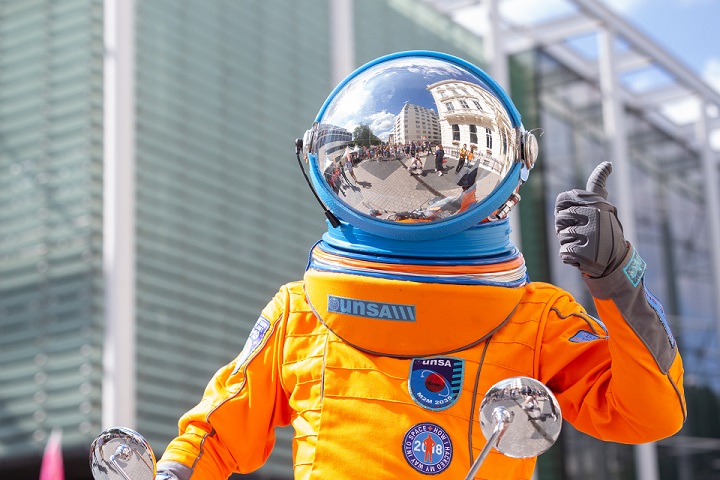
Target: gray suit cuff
173 471
641 310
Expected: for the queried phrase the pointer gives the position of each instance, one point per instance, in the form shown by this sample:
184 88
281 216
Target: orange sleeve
620 379
221 435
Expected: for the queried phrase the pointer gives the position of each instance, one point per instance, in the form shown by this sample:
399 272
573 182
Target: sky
688 29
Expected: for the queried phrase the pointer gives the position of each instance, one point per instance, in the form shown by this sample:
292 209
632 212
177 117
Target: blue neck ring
484 240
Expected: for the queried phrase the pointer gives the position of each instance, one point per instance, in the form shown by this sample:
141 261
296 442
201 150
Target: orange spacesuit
338 356
381 355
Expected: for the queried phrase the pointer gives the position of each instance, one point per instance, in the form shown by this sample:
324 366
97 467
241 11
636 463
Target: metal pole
711 184
497 61
118 381
342 39
502 418
615 133
614 127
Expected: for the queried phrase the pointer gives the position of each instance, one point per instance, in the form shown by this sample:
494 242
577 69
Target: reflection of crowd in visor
339 172
466 129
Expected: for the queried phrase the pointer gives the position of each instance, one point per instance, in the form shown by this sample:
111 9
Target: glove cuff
172 471
641 310
627 273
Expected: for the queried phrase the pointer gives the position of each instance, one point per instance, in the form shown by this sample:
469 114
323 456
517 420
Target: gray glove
591 237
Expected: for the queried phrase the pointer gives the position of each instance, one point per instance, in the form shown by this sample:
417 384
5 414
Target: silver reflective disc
534 412
120 453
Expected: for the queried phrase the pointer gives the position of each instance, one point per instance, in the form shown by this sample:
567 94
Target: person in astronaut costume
415 302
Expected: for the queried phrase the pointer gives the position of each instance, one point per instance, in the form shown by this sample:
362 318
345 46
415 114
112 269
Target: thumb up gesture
591 237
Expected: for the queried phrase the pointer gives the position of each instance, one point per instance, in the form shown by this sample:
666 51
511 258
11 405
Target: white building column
342 40
711 193
620 190
495 54
118 379
497 61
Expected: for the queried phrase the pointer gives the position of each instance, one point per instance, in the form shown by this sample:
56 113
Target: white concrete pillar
711 193
620 191
118 383
342 40
497 61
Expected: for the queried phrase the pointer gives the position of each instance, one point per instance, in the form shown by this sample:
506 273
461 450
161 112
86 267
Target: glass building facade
223 217
51 312
670 215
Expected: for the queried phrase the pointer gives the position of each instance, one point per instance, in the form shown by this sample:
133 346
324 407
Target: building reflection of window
450 107
473 134
488 138
456 132
503 135
464 104
477 105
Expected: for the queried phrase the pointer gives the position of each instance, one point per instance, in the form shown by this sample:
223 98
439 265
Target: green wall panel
50 224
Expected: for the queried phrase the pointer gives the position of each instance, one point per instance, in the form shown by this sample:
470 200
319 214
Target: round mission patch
427 448
435 383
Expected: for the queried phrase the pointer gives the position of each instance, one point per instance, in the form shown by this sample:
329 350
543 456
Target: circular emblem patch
427 448
435 383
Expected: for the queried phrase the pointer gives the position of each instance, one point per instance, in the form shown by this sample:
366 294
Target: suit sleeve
221 435
619 379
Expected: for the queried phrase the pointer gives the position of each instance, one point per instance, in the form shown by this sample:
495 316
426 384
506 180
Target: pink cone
52 461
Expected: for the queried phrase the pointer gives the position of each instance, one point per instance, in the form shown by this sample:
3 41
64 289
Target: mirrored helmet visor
374 147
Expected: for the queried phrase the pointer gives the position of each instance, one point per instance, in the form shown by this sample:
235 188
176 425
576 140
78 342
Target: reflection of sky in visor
378 94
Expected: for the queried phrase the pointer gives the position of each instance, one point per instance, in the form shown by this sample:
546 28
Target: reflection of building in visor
465 109
417 124
387 119
333 140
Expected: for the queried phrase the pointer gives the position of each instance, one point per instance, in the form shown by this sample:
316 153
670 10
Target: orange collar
406 319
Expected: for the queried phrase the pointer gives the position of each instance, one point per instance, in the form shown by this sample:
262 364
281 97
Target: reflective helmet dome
372 148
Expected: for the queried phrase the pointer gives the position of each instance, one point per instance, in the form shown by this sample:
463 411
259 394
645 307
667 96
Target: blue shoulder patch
584 336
